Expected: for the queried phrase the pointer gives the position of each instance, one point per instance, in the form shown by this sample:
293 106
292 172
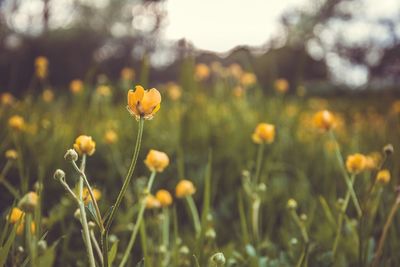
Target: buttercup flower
174 91
143 103
184 188
383 176
372 161
48 95
7 99
11 154
281 86
41 65
127 74
264 133
324 120
84 145
17 123
248 79
110 137
156 160
356 163
29 202
201 72
76 86
86 195
15 215
152 202
164 197
21 228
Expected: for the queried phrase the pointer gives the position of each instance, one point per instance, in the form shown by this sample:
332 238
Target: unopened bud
71 155
303 217
292 204
184 250
91 225
218 259
388 149
77 214
210 234
42 245
59 174
29 202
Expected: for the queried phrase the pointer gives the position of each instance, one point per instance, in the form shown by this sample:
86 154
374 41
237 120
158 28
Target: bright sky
220 25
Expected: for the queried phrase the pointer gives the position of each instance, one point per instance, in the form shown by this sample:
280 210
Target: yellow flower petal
150 101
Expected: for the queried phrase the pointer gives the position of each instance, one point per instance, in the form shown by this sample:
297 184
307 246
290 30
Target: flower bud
210 234
71 155
11 154
84 145
156 160
292 204
164 197
77 214
29 202
388 149
91 225
218 259
264 134
356 163
383 176
59 174
184 188
184 250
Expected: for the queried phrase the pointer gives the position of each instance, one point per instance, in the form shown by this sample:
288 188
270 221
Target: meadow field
210 170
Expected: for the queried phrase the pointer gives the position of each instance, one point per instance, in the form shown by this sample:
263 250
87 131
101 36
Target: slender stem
30 239
195 215
255 218
386 227
96 246
260 154
349 184
341 218
84 223
138 221
83 176
165 235
121 193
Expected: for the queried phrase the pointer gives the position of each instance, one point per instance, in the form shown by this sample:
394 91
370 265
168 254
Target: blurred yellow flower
184 188
248 79
29 202
16 122
156 160
292 204
21 228
11 154
355 163
15 215
48 95
174 91
235 70
143 103
264 133
396 107
103 90
372 161
128 74
86 195
383 176
84 145
110 137
41 67
164 197
7 99
324 120
238 91
76 86
201 72
281 86
152 202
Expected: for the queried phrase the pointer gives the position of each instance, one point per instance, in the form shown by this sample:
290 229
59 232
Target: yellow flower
235 70
15 215
201 72
21 228
324 120
76 86
281 86
356 163
7 99
41 65
152 202
103 90
156 160
383 176
143 103
184 188
28 202
11 154
174 91
164 197
248 79
17 123
86 195
84 145
110 137
372 161
127 74
48 95
264 133
292 204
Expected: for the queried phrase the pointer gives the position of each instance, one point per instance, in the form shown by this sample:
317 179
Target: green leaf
112 253
92 213
6 248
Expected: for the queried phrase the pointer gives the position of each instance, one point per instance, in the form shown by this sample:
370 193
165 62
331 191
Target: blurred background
322 44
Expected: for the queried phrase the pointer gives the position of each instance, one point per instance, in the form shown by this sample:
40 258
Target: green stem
260 154
349 184
195 215
121 193
165 235
303 258
30 239
255 218
341 218
138 221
